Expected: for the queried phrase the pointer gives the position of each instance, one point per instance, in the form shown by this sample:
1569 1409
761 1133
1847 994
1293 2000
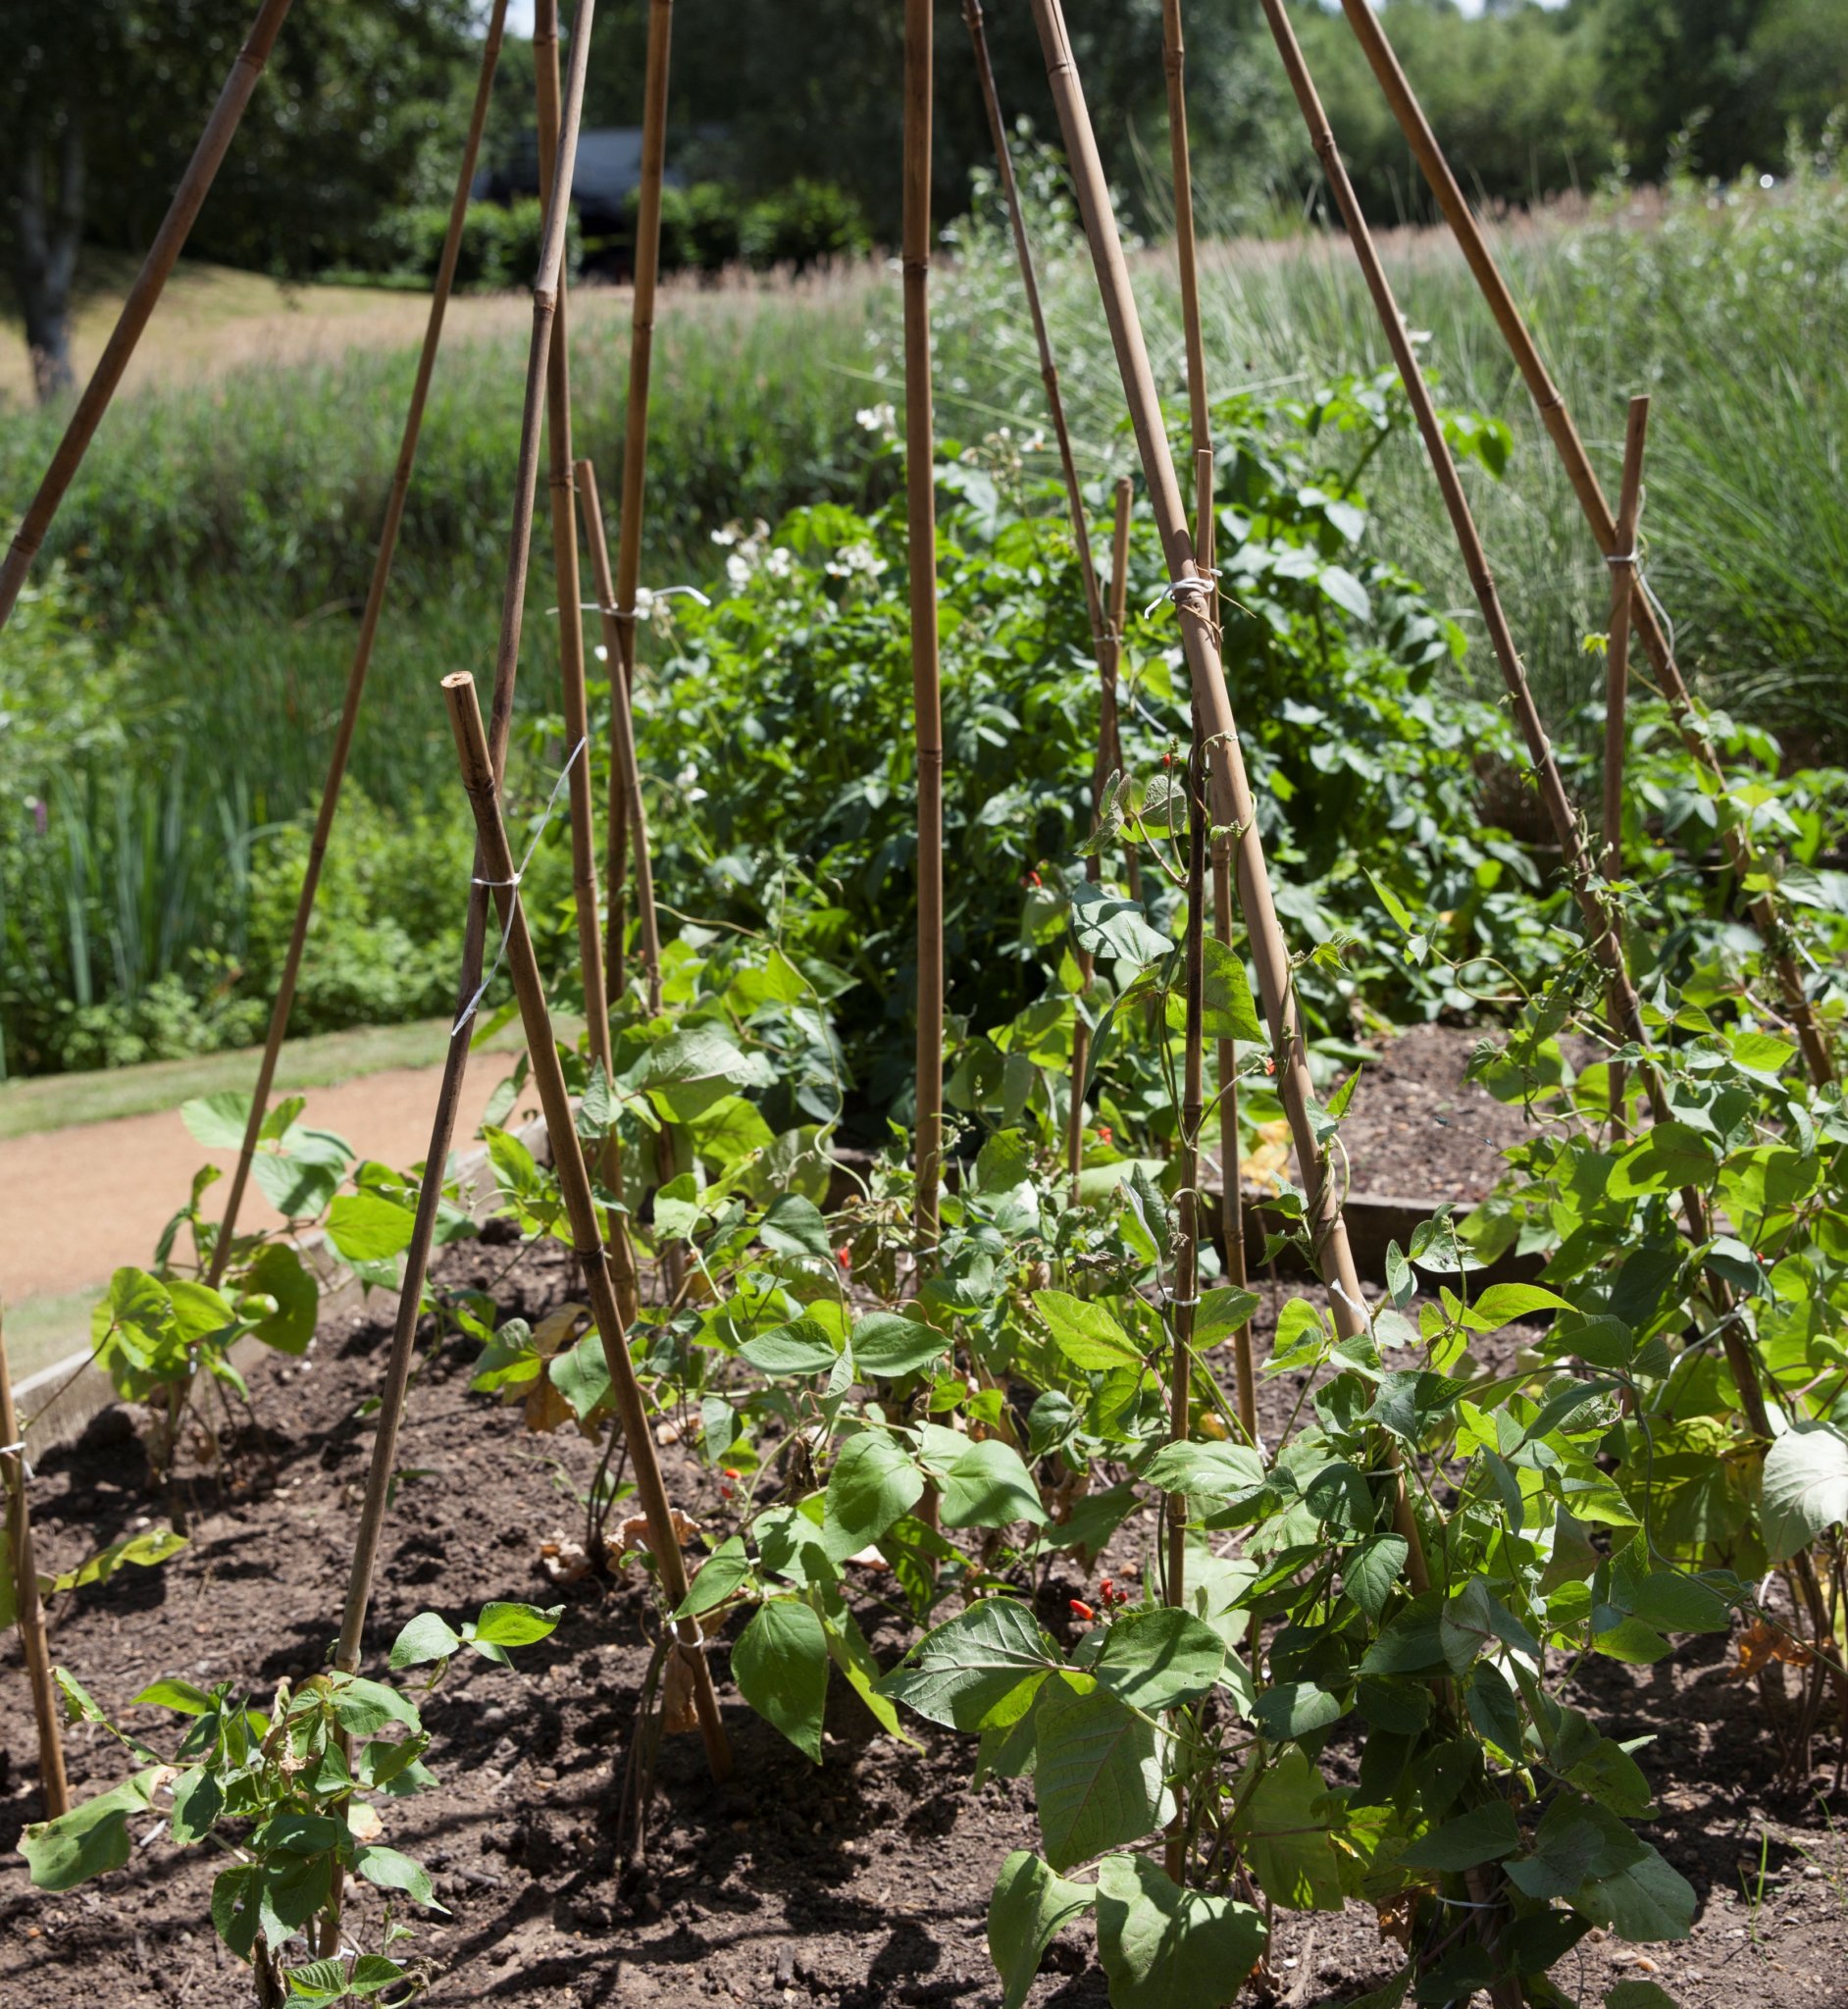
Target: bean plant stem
1770 922
921 546
1108 760
143 297
634 471
573 1181
1617 677
30 1613
397 1368
360 666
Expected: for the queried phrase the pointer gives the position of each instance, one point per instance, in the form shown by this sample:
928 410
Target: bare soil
1417 1129
859 1883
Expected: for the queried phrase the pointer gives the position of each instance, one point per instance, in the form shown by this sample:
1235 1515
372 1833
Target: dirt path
82 1203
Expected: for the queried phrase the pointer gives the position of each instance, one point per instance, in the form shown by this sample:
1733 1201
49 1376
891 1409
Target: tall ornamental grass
1728 305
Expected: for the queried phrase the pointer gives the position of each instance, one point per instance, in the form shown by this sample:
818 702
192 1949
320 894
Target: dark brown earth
859 1883
1417 1129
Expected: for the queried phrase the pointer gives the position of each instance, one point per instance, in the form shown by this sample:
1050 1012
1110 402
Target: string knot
1198 586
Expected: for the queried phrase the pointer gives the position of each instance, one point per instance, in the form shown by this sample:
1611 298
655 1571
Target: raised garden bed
862 1882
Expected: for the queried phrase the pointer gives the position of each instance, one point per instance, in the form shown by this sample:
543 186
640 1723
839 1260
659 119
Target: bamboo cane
921 476
143 297
1616 675
1112 722
1080 1046
27 1611
500 717
361 664
619 622
624 761
1229 786
1622 563
573 1181
636 433
1187 1245
1200 417
1558 421
564 512
1605 940
1080 529
1036 311
1186 1299
626 786
629 527
565 565
1231 1185
1174 63
1232 803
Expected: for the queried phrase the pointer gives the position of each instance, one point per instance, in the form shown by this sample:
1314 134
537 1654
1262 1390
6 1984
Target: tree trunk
50 228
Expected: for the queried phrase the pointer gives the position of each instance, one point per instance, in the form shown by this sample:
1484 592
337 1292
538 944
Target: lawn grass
63 1102
41 1331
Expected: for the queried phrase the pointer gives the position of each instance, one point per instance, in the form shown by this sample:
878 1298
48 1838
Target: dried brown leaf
1761 1642
546 1408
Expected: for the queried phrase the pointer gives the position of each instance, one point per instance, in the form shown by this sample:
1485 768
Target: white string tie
1634 559
513 907
645 596
1359 1310
25 1463
1198 585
